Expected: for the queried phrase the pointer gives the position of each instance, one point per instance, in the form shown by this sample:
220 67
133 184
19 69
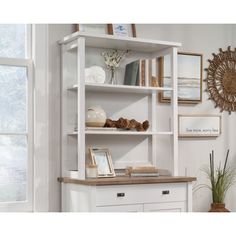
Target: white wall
194 153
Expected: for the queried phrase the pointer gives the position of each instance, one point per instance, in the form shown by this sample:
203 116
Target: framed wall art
102 158
126 30
93 28
189 78
199 126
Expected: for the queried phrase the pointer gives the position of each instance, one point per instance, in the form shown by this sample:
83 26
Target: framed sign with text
199 125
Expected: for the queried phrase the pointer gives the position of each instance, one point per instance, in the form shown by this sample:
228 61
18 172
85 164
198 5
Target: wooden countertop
128 180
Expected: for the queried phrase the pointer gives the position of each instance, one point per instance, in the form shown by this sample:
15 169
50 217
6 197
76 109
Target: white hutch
128 148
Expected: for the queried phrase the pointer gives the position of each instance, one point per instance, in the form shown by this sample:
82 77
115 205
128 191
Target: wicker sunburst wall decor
221 80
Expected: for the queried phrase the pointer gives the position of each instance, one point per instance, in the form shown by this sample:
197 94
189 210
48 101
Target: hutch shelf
128 148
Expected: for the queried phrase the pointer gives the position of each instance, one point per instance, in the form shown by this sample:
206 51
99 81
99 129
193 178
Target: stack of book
135 74
146 171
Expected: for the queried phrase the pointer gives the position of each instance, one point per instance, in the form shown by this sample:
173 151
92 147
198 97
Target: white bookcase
80 50
128 148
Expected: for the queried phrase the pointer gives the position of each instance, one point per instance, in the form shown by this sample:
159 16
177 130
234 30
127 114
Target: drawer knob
120 194
165 192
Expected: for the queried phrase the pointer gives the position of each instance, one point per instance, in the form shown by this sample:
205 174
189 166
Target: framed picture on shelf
102 158
93 28
126 30
189 78
191 126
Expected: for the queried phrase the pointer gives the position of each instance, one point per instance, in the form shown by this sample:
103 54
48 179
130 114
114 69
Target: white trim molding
41 117
46 55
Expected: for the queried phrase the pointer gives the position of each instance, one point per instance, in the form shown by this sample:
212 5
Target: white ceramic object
95 74
73 174
95 117
91 171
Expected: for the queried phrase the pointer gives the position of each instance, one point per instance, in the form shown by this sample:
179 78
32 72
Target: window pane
13 94
13 40
13 167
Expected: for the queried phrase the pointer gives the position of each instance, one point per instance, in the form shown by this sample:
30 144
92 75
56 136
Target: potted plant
221 179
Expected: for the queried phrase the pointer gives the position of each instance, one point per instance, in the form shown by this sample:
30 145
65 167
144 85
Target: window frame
28 64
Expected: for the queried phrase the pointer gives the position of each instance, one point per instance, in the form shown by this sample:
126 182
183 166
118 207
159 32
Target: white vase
113 77
95 117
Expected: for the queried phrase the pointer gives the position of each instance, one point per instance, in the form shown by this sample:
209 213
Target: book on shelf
138 79
152 80
142 73
143 168
135 73
120 172
132 73
144 174
144 171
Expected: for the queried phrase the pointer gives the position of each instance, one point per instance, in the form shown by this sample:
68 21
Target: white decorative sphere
95 117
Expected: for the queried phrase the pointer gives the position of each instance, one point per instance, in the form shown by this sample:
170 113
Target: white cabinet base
175 197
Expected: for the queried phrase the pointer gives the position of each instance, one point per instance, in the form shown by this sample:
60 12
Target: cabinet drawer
121 208
142 193
165 207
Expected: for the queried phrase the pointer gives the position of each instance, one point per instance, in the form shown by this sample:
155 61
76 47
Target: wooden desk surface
128 180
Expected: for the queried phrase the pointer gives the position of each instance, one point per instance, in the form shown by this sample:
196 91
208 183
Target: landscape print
189 77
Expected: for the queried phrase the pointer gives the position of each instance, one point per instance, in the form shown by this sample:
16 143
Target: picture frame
102 158
122 30
93 28
195 126
190 77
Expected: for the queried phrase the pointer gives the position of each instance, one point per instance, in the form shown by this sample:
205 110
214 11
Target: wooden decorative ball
221 80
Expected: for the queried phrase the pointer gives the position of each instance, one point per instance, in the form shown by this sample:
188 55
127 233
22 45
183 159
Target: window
13 41
15 118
